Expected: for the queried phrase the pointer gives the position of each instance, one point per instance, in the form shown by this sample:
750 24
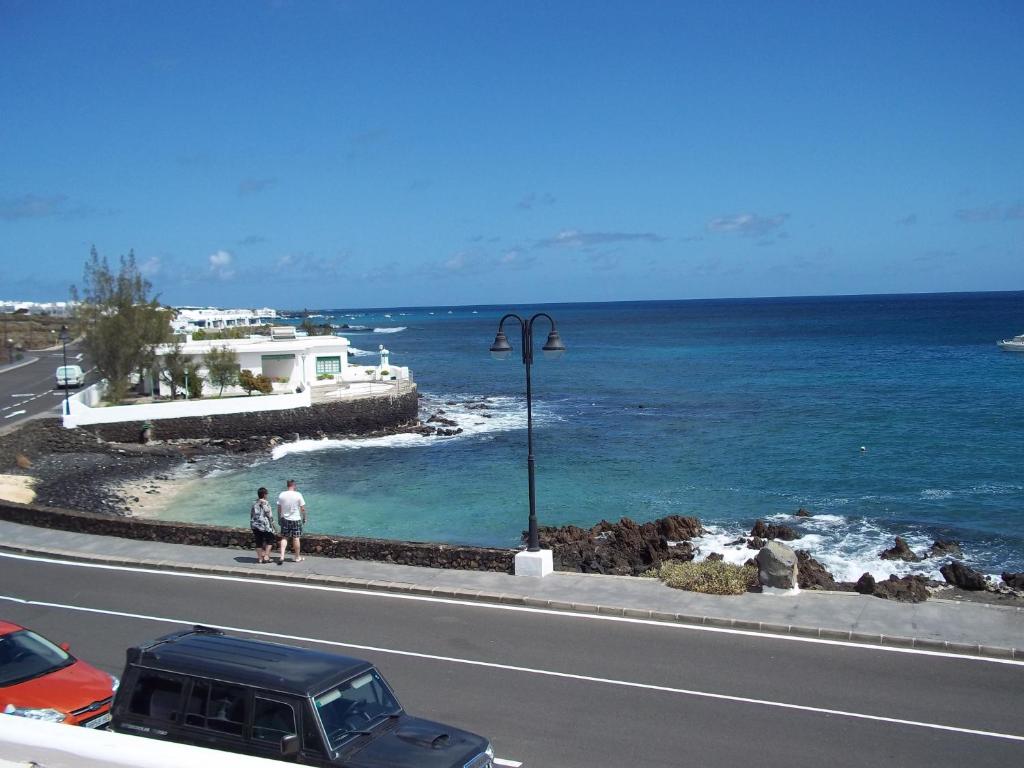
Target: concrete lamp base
536 564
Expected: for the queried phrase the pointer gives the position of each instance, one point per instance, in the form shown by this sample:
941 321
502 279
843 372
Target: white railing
31 742
84 410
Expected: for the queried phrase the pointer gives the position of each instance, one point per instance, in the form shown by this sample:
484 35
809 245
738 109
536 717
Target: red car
43 681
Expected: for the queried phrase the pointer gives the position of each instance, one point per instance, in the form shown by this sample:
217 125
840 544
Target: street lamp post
64 344
536 562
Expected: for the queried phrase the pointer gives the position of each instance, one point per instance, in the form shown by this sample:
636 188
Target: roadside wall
380 550
83 413
343 417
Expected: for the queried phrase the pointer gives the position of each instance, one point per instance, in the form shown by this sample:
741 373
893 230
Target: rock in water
777 566
963 576
945 548
802 513
900 551
811 574
765 530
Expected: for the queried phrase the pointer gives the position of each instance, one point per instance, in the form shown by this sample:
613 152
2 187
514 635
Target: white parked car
70 376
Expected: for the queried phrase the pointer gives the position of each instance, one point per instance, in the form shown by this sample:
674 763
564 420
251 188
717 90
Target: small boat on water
1016 344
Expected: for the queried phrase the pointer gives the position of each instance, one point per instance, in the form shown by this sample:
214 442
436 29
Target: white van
70 376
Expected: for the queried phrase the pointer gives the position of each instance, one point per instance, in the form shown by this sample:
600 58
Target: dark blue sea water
729 410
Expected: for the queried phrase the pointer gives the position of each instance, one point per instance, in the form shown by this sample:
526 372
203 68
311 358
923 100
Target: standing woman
261 520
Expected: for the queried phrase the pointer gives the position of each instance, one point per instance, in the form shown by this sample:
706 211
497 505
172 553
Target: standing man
291 514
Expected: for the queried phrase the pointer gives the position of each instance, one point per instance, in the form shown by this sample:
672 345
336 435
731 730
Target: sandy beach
17 488
153 496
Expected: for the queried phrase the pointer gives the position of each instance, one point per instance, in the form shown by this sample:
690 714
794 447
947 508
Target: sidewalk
941 625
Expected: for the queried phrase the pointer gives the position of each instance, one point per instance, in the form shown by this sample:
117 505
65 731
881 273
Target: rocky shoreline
75 470
636 549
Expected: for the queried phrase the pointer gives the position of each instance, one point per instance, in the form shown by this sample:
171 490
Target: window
272 720
24 655
217 707
356 706
157 696
311 740
328 365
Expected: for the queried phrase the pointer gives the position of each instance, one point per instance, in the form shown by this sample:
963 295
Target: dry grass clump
712 577
23 461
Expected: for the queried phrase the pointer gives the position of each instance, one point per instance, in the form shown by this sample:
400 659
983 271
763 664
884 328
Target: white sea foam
504 414
936 493
393 329
356 352
846 548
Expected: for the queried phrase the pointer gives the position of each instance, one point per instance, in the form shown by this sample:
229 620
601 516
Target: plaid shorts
291 529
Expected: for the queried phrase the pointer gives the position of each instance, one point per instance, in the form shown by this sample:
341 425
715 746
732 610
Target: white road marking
509 763
530 670
12 414
518 608
25 394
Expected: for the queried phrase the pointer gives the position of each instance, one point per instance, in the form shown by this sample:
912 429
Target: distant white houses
192 319
54 308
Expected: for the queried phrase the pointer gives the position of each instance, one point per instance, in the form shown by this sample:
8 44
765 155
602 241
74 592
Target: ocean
884 416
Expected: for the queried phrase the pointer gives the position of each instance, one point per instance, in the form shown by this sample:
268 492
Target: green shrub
712 577
251 383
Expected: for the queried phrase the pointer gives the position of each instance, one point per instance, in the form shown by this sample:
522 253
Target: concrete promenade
939 625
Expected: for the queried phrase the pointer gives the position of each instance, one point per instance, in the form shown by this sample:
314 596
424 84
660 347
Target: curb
22 364
501 598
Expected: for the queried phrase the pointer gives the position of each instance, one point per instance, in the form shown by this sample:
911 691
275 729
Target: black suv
208 689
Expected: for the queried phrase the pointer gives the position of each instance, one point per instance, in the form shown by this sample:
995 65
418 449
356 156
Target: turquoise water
728 410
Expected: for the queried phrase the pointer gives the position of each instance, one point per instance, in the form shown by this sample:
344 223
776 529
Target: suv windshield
24 655
355 707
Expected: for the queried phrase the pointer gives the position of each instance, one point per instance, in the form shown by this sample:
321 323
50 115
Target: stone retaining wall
344 417
398 552
37 437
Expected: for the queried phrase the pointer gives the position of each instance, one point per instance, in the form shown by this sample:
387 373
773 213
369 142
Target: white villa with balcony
292 361
304 370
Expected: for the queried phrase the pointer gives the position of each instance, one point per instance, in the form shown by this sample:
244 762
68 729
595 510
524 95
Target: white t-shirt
291 503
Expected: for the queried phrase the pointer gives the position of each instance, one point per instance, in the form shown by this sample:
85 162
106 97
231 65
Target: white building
293 362
192 319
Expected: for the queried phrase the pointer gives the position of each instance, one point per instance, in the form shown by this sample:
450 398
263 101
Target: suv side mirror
66 647
290 745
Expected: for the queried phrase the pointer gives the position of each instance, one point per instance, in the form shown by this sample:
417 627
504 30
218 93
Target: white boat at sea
1016 344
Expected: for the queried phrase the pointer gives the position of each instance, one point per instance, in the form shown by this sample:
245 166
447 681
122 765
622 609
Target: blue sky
386 154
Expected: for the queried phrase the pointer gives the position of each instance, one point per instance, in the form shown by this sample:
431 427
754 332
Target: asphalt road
30 390
569 691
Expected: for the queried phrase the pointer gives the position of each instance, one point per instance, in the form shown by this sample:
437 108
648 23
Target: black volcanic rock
811 574
802 513
623 548
865 584
765 530
909 589
963 576
1014 580
945 548
900 551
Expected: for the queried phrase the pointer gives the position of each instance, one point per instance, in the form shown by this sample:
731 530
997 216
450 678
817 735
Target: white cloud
748 224
222 265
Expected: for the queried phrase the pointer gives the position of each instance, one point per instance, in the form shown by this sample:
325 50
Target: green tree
172 370
194 380
123 323
221 367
